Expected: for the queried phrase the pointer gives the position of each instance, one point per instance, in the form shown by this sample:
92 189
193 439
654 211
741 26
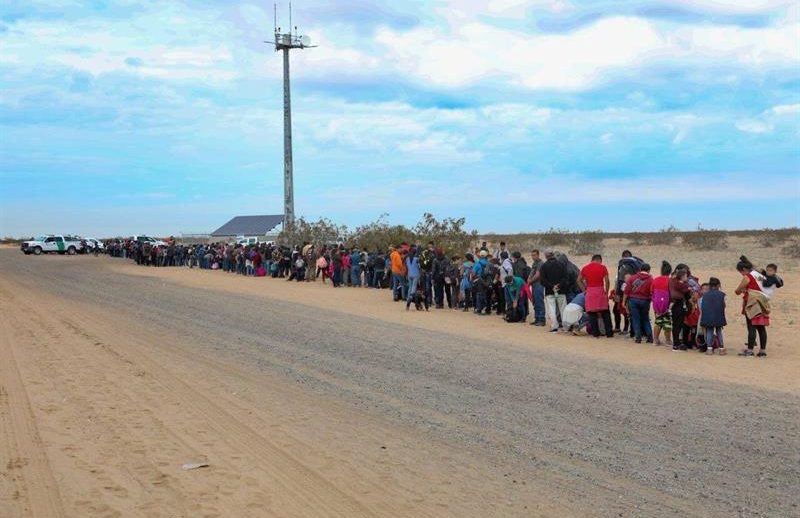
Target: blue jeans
399 283
428 288
710 331
413 282
355 275
377 277
479 294
640 318
538 303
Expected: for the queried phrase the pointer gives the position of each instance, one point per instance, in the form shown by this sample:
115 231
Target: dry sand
100 407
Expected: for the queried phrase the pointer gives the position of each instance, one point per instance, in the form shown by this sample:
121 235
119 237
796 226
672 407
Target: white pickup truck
48 244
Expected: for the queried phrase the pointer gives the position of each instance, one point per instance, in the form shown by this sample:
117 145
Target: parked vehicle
147 239
247 240
93 242
52 243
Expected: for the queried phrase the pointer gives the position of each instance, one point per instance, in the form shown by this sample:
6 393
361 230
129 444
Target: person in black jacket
439 271
553 276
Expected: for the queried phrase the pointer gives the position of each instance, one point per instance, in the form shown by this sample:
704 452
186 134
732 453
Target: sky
162 117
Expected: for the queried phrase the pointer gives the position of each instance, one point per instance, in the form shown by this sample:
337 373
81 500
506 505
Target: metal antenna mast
287 41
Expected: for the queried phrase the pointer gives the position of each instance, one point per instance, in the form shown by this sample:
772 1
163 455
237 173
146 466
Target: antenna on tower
286 42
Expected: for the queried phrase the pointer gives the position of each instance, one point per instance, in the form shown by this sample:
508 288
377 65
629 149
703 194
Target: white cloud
785 109
735 6
474 51
754 126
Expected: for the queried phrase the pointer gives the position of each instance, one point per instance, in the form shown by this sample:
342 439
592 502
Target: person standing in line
679 292
553 275
534 279
636 296
595 278
413 269
755 307
713 316
398 275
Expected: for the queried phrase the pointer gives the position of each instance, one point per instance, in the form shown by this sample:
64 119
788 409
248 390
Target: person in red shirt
595 278
636 297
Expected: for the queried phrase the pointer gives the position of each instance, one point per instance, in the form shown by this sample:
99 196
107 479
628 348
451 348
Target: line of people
552 291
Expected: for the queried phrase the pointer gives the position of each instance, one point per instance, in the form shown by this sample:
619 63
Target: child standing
661 300
713 316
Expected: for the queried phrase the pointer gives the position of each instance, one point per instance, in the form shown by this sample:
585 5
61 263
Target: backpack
488 274
661 300
513 315
426 260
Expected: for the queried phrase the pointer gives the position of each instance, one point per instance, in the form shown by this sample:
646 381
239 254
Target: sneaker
638 340
649 340
746 352
554 330
761 354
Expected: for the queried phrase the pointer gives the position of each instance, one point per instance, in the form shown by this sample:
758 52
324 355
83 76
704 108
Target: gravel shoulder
315 409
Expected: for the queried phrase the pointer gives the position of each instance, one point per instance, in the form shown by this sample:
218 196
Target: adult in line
399 288
636 297
679 294
553 275
755 307
413 268
534 279
595 277
441 282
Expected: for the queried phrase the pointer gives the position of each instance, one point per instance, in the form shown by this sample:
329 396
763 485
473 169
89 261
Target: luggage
513 315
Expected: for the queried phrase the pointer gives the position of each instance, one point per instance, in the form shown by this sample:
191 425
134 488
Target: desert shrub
587 242
792 249
378 235
769 237
705 239
554 237
321 231
665 236
636 238
448 233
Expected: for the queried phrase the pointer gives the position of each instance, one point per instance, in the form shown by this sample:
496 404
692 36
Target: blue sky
160 117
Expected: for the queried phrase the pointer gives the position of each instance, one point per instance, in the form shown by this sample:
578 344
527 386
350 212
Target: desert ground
308 401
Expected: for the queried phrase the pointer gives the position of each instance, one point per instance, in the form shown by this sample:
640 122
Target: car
147 239
52 243
93 242
247 240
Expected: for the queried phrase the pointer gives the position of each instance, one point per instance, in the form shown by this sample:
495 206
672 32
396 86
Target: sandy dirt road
113 376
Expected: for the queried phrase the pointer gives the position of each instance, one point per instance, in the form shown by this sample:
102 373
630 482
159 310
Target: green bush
705 239
636 238
587 243
665 236
554 237
792 249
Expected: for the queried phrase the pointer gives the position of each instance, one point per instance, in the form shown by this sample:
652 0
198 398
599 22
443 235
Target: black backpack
513 314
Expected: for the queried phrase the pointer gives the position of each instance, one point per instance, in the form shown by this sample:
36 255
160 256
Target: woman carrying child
755 306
